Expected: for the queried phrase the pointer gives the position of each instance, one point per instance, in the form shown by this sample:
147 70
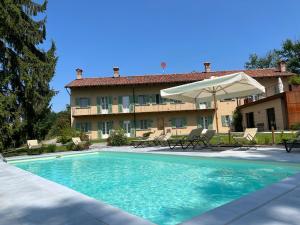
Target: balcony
93 110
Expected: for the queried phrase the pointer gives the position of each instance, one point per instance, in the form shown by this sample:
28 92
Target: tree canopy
289 52
25 72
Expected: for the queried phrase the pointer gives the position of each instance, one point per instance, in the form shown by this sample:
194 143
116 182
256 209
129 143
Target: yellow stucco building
99 105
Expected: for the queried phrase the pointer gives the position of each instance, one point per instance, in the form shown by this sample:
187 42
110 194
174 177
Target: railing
93 110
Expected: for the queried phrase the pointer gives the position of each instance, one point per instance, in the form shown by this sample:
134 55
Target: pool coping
229 213
95 211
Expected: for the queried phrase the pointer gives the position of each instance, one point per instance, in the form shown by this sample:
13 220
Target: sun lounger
152 139
294 143
206 138
77 140
186 142
32 144
249 135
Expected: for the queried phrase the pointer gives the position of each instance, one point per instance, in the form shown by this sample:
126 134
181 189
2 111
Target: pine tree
25 72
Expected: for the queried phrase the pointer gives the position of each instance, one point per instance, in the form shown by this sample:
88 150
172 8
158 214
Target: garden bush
147 134
117 138
66 135
295 126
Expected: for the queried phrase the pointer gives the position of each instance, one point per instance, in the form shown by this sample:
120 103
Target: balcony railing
94 110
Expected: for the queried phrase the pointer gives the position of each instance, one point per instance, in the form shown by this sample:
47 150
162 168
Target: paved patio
29 199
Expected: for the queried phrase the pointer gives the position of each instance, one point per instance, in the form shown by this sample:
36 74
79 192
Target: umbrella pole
216 111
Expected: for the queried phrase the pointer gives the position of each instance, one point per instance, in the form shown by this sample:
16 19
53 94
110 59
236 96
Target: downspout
134 116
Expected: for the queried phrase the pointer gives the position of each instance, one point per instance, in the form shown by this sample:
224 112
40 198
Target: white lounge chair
76 140
31 144
249 135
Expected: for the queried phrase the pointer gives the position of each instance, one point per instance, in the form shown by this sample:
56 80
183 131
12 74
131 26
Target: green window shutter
110 126
78 126
120 105
223 121
89 126
88 101
77 102
173 122
147 99
149 123
131 106
110 104
138 124
100 125
98 105
210 122
121 124
184 122
200 122
208 104
136 99
231 119
132 130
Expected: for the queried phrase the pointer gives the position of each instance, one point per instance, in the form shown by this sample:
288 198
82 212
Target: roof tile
168 78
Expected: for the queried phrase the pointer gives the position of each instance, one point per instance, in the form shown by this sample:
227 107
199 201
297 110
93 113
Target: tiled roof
168 78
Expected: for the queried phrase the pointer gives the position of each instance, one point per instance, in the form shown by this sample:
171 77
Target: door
271 118
160 123
125 103
105 129
104 105
127 127
250 120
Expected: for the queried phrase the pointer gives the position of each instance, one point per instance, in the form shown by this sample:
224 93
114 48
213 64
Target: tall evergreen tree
25 71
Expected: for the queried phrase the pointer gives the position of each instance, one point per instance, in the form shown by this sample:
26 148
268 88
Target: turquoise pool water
163 189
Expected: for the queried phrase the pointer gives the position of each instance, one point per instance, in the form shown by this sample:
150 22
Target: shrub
50 148
147 134
84 137
237 121
295 80
66 135
295 126
267 141
82 146
117 138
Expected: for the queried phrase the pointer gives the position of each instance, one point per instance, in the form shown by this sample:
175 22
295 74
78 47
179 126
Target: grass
260 139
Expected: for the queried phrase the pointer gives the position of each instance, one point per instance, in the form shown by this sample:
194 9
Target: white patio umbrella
280 85
216 88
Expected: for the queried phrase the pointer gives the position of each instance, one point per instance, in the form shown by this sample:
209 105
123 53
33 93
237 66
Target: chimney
116 72
207 67
282 66
78 74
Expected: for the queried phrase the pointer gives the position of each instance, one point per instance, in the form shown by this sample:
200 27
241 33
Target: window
227 100
104 102
205 122
142 100
83 126
83 102
226 120
144 124
178 122
175 101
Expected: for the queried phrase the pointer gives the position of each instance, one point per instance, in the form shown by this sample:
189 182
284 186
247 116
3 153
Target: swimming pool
164 189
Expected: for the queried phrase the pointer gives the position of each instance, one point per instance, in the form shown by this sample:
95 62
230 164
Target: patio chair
152 139
77 140
32 144
249 135
294 143
206 138
186 141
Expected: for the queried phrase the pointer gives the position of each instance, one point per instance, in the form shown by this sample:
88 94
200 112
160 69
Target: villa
133 103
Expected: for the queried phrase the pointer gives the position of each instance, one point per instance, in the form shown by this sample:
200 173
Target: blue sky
137 35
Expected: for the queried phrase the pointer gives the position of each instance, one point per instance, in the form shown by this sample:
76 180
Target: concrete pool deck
28 199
